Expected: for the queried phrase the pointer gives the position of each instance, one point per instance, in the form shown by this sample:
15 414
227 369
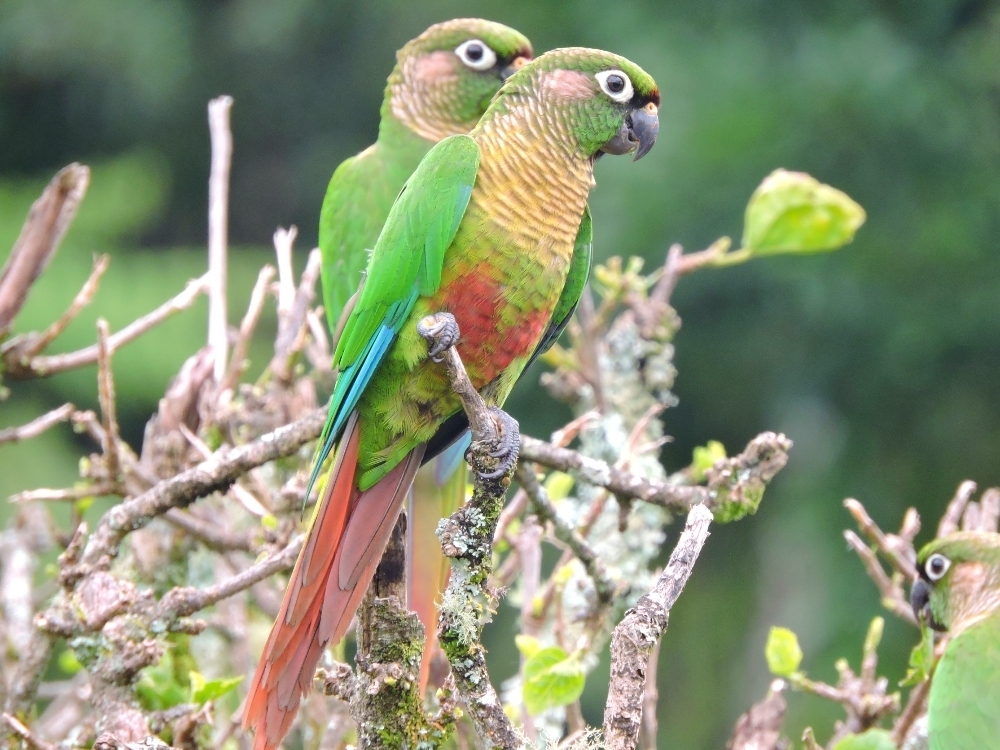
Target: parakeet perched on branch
959 591
442 83
486 229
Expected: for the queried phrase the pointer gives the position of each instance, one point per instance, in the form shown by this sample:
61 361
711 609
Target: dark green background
880 360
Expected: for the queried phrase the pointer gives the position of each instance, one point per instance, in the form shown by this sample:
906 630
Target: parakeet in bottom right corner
958 591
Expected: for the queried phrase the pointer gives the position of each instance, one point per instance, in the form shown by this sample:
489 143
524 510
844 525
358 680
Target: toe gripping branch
490 425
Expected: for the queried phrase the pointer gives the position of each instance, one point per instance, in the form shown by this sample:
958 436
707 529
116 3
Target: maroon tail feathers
342 550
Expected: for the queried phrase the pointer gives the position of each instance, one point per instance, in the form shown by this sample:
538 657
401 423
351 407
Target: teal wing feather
406 263
964 705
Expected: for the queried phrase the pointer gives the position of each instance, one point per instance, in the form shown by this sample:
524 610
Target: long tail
342 550
439 490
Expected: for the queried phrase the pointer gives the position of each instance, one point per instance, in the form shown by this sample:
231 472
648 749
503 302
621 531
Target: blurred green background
880 360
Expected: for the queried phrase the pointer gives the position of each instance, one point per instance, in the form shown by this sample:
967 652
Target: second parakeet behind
959 591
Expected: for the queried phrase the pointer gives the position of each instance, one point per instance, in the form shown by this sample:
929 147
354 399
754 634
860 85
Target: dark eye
615 84
476 54
936 566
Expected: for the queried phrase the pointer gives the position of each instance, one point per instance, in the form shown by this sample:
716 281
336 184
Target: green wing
356 203
964 706
405 264
576 280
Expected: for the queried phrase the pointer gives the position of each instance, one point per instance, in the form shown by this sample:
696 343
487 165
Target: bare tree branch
634 636
603 585
43 230
218 223
37 426
181 602
46 366
211 475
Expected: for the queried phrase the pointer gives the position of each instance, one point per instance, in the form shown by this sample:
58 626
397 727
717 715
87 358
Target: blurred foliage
880 361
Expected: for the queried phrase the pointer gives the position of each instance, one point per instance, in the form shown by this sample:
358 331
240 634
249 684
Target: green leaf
873 739
782 652
68 662
551 678
705 457
921 659
528 645
157 686
203 691
558 485
791 212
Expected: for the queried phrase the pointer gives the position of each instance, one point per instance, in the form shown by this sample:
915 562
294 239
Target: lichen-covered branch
635 635
734 487
213 474
467 538
603 585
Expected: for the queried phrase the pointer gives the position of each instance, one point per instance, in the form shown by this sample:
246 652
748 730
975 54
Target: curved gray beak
638 133
920 598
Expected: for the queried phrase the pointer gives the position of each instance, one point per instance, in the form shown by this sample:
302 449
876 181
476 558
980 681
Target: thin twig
915 705
37 344
26 735
284 241
291 332
185 601
46 366
47 222
238 363
215 538
106 397
218 220
892 594
37 426
603 585
880 539
956 508
634 636
211 475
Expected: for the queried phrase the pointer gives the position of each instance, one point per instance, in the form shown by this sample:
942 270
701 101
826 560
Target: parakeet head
959 580
597 102
445 78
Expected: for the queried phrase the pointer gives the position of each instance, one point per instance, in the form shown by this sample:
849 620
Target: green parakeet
959 591
442 83
485 229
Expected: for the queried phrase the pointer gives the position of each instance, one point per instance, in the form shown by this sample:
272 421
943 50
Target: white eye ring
615 79
936 566
476 54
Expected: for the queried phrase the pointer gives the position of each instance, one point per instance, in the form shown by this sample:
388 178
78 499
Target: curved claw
509 447
441 332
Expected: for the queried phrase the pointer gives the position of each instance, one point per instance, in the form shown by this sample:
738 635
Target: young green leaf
558 485
921 659
203 691
528 645
782 652
792 212
873 739
158 688
704 457
551 679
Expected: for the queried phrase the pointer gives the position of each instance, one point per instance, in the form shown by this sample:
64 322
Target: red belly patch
486 347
